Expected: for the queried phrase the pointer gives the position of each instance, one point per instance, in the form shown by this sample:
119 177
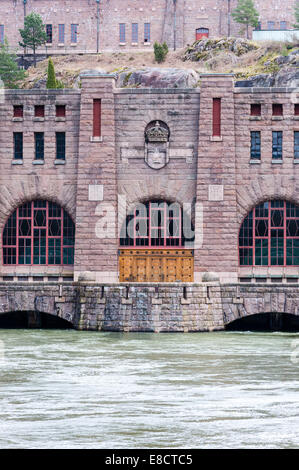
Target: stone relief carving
157 144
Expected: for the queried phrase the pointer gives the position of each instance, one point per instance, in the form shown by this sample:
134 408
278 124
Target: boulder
158 78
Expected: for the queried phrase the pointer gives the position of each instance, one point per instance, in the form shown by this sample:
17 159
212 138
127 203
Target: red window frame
18 111
60 110
161 226
277 109
255 109
251 233
27 215
39 110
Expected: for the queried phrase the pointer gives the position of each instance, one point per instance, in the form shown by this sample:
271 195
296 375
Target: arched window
39 233
269 235
157 224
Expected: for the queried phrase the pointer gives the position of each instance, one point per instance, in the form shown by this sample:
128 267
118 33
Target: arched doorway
269 235
156 244
201 33
39 233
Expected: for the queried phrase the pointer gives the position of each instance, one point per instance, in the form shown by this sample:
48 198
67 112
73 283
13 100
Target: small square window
256 110
18 111
39 111
60 110
277 109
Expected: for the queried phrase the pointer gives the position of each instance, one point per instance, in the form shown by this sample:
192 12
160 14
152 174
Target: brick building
106 185
81 26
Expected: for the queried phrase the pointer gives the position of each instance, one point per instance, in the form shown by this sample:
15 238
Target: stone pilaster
218 251
96 230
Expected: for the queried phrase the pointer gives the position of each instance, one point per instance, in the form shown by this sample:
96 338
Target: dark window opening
39 145
60 145
296 145
60 110
18 145
277 145
255 150
256 109
277 109
49 33
296 109
39 111
18 111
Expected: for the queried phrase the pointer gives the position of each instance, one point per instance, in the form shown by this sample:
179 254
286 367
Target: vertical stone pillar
218 251
96 250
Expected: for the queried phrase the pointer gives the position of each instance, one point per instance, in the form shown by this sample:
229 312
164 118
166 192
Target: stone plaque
95 192
215 192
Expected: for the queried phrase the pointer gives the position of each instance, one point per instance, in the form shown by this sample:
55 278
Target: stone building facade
227 157
88 26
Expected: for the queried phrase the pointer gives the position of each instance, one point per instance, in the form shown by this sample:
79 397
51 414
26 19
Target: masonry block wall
135 109
190 15
105 173
25 179
96 229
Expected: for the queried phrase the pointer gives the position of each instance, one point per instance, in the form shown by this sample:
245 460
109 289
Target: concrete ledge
60 299
127 301
185 301
101 301
156 301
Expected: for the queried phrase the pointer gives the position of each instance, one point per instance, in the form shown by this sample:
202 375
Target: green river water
70 389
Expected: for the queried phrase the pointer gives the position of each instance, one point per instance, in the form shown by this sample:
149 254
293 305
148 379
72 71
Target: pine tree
245 13
296 26
51 78
10 73
33 35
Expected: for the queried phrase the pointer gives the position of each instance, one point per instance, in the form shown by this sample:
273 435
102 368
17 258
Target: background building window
296 145
135 32
271 25
1 34
60 145
277 145
39 233
255 150
39 145
283 25
147 32
122 32
18 145
61 33
49 33
74 33
269 235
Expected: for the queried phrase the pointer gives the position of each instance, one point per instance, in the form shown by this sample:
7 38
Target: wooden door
155 265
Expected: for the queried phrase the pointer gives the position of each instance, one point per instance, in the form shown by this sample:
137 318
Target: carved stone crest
157 144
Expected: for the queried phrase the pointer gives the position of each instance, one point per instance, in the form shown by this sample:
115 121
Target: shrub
160 51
